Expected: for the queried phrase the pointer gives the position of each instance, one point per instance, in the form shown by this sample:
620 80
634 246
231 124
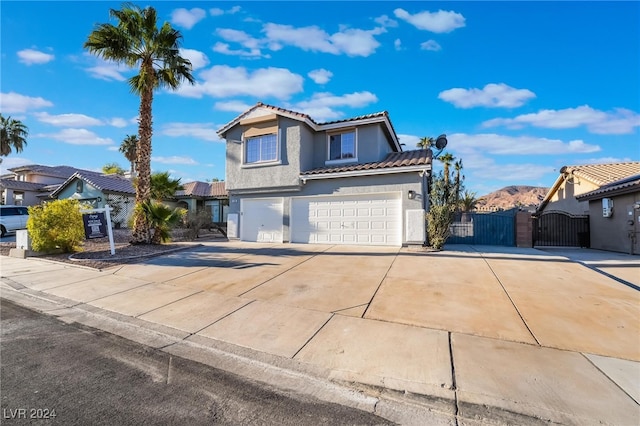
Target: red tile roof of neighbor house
393 160
203 189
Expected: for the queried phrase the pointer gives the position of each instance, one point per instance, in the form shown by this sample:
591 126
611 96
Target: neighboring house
30 185
97 189
291 179
197 196
614 213
574 181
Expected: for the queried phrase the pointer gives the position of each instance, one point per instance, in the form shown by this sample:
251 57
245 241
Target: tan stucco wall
564 199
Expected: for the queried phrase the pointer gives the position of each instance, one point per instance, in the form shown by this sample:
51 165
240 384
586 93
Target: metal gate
561 229
497 228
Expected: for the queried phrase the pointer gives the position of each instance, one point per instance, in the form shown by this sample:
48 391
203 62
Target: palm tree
458 182
446 159
129 147
161 218
468 202
162 186
112 169
137 41
426 142
13 136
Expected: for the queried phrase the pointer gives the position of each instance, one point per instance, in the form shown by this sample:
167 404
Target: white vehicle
12 218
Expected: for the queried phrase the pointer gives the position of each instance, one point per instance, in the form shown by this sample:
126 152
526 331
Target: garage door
371 219
261 220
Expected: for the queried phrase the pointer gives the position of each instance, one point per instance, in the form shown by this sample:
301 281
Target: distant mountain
509 197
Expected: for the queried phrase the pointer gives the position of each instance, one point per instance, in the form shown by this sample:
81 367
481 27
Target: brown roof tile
392 160
203 189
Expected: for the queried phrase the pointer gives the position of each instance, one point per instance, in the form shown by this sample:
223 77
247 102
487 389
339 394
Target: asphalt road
57 373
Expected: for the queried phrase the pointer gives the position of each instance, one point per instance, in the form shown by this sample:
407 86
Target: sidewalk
469 335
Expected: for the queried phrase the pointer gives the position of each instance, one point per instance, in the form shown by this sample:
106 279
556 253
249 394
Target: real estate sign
95 225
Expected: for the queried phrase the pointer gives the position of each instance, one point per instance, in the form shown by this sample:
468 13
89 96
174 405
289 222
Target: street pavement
476 334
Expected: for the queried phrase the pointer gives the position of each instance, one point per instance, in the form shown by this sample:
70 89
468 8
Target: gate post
524 229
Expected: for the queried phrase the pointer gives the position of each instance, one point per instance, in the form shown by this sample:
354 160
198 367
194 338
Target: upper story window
260 149
342 146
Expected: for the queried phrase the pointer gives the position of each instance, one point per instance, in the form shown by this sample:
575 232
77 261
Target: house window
79 186
261 149
18 198
342 146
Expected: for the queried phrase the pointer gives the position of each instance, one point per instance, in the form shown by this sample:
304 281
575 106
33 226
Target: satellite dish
441 142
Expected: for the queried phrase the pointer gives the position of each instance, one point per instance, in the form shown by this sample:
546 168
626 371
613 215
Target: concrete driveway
528 331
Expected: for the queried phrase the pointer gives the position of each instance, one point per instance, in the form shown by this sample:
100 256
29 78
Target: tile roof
393 160
107 183
619 187
22 185
602 174
58 171
203 189
383 115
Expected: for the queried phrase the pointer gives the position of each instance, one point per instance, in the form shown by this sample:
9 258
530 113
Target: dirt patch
96 253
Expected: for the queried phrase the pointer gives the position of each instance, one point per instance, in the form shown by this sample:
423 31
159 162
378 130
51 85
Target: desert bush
441 211
161 219
56 225
194 222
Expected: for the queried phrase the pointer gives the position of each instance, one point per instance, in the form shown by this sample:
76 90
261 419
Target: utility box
23 240
607 207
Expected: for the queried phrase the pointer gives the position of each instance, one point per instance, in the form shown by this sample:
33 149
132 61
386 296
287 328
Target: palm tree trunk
140 234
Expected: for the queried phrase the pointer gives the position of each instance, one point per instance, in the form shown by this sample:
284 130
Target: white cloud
430 45
118 122
232 106
77 137
32 56
174 160
14 102
234 10
397 44
106 70
187 18
204 131
12 161
322 106
225 49
492 95
385 21
216 11
349 41
491 143
618 121
436 22
197 58
409 142
320 76
225 81
68 120
604 160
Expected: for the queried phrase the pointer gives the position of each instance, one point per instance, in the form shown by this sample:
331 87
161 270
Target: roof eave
368 172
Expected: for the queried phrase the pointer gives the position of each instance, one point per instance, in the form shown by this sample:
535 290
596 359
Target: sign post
97 224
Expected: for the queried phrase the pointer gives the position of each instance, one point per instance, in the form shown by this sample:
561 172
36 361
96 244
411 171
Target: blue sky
520 88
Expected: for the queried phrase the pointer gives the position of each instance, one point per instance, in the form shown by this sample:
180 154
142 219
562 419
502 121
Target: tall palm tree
426 142
13 135
136 41
129 148
446 160
458 180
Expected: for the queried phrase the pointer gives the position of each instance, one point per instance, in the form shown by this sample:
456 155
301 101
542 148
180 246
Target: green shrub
56 225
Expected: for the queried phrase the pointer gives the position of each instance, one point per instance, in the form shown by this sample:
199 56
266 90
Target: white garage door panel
262 220
368 219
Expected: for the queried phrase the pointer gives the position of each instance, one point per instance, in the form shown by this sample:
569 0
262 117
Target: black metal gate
561 229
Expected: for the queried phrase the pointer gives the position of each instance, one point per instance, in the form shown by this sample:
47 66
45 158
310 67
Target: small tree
13 136
113 169
56 225
441 211
162 186
129 148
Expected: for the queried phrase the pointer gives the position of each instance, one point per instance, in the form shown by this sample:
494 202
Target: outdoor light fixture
412 195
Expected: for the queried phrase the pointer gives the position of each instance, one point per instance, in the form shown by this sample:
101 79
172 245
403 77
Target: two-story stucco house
291 179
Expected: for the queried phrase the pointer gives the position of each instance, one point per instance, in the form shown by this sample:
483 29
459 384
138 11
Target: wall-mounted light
412 195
